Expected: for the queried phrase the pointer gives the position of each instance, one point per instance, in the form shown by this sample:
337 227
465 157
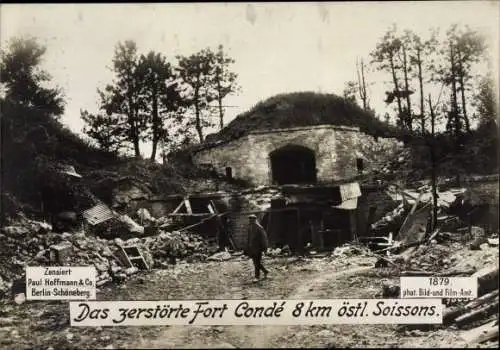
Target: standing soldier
257 244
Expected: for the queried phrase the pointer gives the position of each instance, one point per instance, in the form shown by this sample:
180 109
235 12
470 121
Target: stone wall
336 150
235 154
350 145
242 205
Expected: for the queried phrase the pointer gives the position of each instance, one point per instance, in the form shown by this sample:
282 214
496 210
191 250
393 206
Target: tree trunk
156 126
136 133
219 100
362 85
434 168
132 120
461 81
396 88
199 128
454 101
407 88
421 86
221 111
137 150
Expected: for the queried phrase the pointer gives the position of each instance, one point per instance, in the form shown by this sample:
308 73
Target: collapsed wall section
357 153
330 153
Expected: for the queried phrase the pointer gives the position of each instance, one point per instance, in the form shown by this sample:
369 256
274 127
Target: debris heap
32 243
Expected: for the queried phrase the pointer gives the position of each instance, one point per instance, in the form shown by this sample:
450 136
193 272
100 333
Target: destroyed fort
334 193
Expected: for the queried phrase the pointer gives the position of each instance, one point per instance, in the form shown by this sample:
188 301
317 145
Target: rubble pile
348 250
283 251
32 243
191 247
23 244
448 255
433 257
478 316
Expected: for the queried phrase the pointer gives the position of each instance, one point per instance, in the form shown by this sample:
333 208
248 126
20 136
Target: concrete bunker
293 164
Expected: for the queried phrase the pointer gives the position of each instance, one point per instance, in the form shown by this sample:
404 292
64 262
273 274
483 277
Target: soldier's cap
252 216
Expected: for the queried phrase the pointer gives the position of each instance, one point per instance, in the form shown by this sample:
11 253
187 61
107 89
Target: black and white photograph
249 175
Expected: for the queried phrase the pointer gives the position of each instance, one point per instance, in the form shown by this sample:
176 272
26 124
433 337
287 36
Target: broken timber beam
474 314
188 205
201 222
178 207
456 311
434 234
410 214
482 300
401 246
456 273
481 334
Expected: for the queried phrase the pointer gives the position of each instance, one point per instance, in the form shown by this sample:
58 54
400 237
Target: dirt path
244 336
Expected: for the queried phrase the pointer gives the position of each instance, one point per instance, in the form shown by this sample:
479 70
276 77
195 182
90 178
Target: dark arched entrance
293 165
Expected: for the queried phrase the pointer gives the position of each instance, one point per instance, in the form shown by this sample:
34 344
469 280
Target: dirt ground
45 325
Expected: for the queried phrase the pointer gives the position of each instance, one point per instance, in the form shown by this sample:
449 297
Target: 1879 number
439 281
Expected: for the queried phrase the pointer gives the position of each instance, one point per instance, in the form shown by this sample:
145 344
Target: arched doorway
293 165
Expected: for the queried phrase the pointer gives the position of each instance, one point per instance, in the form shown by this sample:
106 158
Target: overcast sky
281 47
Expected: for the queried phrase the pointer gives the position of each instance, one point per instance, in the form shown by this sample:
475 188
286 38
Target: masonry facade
314 154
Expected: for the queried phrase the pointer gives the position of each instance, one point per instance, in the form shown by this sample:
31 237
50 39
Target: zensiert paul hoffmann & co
61 285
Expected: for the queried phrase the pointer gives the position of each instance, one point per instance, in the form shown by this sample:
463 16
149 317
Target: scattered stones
221 256
348 250
15 231
30 242
6 321
131 271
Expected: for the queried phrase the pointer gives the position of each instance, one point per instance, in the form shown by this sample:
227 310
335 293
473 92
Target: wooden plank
481 334
124 257
434 234
199 223
471 316
212 203
481 300
456 311
210 209
188 206
178 207
410 214
231 241
129 256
